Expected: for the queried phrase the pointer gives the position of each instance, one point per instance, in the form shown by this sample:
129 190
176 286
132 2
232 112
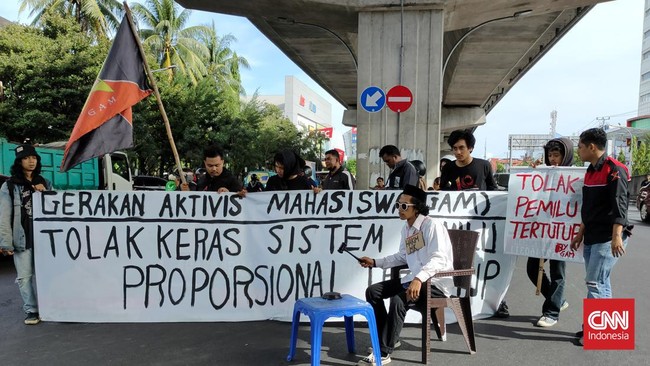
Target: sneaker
443 338
32 318
564 306
502 311
397 344
370 360
546 321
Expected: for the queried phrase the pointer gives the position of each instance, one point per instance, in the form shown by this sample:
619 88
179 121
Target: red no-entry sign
399 98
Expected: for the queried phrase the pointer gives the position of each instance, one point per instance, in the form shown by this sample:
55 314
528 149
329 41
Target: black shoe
32 319
502 311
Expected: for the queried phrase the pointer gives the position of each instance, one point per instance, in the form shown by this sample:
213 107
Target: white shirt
436 255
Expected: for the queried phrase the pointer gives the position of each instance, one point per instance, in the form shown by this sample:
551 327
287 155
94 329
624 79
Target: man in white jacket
426 248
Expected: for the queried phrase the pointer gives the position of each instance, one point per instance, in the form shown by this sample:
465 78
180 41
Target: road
512 341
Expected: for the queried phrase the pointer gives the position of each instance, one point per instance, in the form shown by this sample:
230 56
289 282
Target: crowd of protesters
603 232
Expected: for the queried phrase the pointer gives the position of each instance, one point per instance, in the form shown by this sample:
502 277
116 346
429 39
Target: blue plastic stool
318 310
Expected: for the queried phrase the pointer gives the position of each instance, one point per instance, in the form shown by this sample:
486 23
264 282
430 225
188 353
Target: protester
338 177
290 175
436 185
557 152
189 178
445 160
217 177
16 230
429 251
604 229
307 172
254 185
380 184
402 173
421 169
199 173
466 172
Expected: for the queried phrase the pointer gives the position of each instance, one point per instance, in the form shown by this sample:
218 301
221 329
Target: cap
171 177
23 151
415 192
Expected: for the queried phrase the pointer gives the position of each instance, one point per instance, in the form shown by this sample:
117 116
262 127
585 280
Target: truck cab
115 172
109 172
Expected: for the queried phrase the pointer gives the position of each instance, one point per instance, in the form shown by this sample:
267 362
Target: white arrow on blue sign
372 99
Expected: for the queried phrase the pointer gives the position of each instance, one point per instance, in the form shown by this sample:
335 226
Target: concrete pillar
416 131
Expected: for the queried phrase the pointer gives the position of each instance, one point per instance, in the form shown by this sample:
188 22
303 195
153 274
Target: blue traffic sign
372 99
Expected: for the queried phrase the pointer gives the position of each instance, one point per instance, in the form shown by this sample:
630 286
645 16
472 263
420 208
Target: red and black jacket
605 199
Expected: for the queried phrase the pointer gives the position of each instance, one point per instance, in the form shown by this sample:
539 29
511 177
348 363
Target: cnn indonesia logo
609 324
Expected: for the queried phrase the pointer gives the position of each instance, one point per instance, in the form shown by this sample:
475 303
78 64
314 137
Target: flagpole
156 93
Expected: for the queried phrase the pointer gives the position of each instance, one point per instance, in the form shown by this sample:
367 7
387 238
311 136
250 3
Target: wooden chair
464 244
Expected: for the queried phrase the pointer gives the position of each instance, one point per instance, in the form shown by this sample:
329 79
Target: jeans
553 288
389 324
26 280
599 262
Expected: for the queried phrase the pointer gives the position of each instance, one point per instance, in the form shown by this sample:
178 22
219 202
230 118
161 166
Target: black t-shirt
26 214
223 180
275 183
476 175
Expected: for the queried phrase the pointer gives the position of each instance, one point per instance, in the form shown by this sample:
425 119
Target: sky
592 72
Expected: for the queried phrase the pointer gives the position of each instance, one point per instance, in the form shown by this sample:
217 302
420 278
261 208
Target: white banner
544 212
195 256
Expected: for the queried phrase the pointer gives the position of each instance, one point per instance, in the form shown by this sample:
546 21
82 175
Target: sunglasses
403 206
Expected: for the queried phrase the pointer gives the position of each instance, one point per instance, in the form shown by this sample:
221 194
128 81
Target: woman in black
290 177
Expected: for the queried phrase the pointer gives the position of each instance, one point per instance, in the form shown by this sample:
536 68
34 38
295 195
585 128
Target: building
644 82
302 106
350 142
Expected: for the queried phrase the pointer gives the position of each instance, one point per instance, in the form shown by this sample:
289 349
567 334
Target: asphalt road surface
512 341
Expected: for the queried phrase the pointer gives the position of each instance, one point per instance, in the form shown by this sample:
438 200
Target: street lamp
286 20
473 29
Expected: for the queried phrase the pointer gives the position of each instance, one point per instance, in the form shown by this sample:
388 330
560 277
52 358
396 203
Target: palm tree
98 17
171 43
223 63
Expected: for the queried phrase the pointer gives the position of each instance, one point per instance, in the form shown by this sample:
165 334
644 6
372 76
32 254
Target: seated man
426 248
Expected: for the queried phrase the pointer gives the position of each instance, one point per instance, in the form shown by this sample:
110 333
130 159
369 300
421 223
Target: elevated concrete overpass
484 48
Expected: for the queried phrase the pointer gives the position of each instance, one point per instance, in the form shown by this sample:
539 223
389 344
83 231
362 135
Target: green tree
54 67
223 63
96 17
171 43
276 132
641 156
576 158
197 116
311 145
621 157
351 165
501 168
